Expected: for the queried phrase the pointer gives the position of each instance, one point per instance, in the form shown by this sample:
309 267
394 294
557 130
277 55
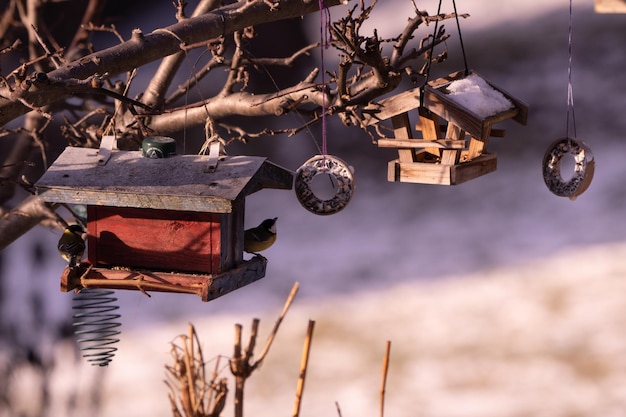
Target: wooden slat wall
160 240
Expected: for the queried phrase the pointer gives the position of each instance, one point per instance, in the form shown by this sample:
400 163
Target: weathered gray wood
176 183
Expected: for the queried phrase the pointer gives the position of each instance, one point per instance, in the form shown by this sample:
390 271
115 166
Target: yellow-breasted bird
261 237
71 245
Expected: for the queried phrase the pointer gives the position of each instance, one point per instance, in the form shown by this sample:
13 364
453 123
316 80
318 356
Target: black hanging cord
432 48
458 26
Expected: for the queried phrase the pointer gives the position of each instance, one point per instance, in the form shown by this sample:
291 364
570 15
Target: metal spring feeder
95 324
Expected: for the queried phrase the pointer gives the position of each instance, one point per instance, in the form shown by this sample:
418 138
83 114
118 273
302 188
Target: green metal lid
158 147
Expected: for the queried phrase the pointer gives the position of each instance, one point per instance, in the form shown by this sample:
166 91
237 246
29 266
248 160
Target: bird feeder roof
181 182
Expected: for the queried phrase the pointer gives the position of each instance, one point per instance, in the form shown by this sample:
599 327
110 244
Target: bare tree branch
162 79
24 217
365 73
145 48
242 104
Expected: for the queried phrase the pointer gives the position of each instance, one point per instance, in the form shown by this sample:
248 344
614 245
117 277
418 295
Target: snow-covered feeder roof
477 95
472 103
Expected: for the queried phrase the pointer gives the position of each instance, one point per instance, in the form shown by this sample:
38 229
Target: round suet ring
583 169
339 171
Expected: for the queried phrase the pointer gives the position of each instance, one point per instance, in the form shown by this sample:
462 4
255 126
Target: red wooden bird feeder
171 224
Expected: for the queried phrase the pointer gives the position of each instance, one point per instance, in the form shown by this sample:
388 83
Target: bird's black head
76 229
269 224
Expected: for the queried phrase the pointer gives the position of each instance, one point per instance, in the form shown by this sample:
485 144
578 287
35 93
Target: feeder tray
453 144
207 286
174 224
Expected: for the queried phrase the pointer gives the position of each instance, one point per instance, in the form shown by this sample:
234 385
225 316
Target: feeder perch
169 224
454 136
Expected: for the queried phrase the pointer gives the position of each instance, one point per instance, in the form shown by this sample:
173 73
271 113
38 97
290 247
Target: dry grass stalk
242 365
191 394
303 367
384 383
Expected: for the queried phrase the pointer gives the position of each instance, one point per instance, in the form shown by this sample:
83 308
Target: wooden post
451 156
402 130
429 123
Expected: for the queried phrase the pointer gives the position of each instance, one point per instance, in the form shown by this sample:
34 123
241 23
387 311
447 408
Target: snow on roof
475 94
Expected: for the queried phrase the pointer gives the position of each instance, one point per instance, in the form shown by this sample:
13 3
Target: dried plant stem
241 364
270 339
303 367
190 365
384 383
238 369
338 409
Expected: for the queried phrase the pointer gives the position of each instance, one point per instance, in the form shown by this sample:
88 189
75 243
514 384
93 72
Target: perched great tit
261 237
71 245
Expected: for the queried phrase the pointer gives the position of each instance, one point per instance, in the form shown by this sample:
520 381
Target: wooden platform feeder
453 144
172 224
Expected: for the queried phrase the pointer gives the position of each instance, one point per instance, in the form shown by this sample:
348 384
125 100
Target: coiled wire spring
95 325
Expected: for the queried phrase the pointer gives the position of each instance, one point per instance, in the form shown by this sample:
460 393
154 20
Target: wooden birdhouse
456 118
171 224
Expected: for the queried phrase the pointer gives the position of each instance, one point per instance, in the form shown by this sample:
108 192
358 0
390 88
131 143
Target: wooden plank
176 183
160 240
610 6
232 228
477 145
419 172
430 128
495 133
402 130
451 157
476 148
438 174
392 106
475 168
208 287
421 143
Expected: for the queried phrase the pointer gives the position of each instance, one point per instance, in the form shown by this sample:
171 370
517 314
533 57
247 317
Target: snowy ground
499 298
542 338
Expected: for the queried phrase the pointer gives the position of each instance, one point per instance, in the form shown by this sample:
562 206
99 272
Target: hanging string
325 38
432 46
570 89
458 26
430 55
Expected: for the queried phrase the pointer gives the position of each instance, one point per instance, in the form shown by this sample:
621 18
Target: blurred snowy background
500 299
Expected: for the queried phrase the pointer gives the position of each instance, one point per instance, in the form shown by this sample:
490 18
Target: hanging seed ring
583 170
324 164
